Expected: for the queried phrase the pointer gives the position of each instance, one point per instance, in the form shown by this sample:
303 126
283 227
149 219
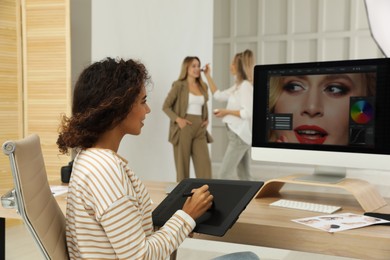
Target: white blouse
195 104
238 97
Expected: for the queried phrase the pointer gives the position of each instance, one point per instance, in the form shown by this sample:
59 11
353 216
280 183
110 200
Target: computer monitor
333 115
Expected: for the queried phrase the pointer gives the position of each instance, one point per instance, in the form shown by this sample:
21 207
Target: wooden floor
20 246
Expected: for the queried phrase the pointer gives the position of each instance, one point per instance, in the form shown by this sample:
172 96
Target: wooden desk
262 225
267 226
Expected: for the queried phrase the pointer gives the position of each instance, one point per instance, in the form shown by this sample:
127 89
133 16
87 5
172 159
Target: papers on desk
339 222
58 190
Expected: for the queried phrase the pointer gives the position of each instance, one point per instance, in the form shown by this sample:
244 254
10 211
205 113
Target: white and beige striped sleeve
128 239
125 215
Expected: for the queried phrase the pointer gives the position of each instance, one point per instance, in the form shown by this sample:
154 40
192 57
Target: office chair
33 198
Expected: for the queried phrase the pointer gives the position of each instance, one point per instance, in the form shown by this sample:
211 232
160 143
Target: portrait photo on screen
322 109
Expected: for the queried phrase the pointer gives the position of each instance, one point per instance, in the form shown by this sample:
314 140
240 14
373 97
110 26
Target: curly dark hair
103 96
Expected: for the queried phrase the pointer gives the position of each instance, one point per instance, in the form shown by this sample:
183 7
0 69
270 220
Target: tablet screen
230 199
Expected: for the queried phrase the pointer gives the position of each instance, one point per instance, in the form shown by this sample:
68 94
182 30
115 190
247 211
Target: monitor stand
365 193
325 174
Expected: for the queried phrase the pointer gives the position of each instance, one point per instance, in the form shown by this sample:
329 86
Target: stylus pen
188 194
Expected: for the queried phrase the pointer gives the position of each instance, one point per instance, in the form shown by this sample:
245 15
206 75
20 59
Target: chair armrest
8 200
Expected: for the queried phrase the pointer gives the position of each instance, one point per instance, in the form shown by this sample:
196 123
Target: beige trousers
192 144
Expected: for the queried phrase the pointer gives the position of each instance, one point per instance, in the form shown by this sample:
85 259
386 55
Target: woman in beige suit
186 107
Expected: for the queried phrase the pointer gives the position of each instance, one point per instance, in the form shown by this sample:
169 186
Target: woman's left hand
205 123
220 112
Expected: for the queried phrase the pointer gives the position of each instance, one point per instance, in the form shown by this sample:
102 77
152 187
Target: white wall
160 34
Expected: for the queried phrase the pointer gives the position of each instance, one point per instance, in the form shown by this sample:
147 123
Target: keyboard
292 204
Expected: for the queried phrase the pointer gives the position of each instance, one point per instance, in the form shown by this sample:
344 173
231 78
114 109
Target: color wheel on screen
362 112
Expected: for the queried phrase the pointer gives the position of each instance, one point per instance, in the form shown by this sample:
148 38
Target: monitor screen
333 113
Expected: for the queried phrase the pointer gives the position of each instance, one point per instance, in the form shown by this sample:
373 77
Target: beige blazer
175 105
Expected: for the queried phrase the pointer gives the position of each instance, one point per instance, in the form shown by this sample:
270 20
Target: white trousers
237 159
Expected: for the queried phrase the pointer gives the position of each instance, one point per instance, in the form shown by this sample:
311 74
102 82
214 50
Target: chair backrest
34 199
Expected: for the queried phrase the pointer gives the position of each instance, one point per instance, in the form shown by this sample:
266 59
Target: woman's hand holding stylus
200 201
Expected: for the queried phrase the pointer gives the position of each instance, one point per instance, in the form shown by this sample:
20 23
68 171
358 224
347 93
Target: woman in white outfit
237 115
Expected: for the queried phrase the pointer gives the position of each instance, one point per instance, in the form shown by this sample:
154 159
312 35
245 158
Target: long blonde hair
184 69
244 63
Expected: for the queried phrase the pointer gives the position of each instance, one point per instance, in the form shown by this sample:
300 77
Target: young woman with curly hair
109 213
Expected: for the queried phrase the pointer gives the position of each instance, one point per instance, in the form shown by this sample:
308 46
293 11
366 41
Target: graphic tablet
230 199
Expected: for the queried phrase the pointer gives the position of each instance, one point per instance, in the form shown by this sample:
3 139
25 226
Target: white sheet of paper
339 222
58 189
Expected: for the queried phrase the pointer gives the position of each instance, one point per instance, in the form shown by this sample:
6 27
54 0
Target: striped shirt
109 214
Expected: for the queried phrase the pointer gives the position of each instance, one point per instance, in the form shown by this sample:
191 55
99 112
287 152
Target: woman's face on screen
319 105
